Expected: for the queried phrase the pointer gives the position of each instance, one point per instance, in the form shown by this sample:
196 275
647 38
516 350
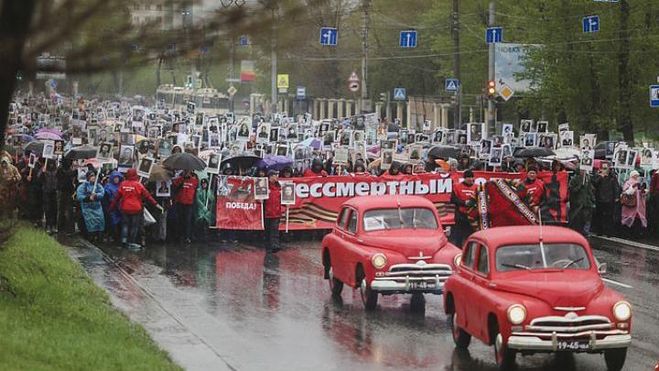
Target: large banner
318 200
236 206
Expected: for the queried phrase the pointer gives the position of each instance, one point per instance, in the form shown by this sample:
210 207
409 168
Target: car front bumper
591 342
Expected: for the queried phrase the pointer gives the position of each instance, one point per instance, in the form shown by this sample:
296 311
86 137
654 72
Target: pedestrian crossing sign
282 81
400 94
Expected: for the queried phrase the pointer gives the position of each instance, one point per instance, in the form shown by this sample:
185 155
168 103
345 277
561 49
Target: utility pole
232 56
273 59
365 7
457 110
491 106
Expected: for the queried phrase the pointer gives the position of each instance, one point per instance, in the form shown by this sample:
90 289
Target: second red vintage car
530 289
388 245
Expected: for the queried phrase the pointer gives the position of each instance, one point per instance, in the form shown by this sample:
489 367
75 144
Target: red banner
236 207
318 199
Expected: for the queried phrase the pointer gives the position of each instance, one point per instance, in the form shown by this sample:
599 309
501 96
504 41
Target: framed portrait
213 164
287 193
145 166
244 132
48 149
525 126
587 159
164 188
495 156
104 151
567 138
438 136
486 146
543 126
530 139
261 189
263 133
126 155
386 159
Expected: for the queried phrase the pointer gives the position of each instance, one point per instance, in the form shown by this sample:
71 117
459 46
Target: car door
339 252
352 247
464 297
481 282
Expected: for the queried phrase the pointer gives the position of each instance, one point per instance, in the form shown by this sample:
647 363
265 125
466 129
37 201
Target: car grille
569 327
418 272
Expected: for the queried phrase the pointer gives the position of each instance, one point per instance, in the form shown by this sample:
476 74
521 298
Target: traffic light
491 89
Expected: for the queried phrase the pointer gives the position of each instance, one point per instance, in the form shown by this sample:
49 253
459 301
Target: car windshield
541 256
399 218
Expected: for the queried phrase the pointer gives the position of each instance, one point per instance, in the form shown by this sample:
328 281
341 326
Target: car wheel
615 358
418 303
460 337
336 286
369 297
505 357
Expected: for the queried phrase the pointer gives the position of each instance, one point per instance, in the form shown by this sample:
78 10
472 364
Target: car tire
369 297
460 337
615 358
418 303
336 286
504 357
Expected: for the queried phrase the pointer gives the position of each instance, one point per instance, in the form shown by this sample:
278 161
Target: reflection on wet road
234 307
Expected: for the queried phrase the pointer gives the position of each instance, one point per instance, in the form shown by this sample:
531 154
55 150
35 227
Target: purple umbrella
50 130
45 135
273 162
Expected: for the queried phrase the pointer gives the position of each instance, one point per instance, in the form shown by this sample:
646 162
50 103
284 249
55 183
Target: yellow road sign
282 81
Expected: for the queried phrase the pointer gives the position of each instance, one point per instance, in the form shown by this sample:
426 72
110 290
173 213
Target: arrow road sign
408 39
451 85
494 35
328 36
591 23
654 96
400 94
243 41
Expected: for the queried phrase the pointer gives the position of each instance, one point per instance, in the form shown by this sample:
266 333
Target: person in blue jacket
112 217
90 194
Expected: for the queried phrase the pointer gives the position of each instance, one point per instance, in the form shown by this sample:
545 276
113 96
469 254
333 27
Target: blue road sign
591 23
400 94
301 93
408 39
451 85
328 36
243 41
494 35
654 96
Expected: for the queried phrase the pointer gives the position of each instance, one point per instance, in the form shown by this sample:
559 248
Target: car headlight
457 259
516 314
622 311
379 261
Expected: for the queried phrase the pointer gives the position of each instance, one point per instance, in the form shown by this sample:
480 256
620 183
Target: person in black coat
607 194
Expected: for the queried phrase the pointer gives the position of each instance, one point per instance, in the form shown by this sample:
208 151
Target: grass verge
53 317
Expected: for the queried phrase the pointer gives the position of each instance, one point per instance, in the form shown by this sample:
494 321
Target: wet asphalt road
232 307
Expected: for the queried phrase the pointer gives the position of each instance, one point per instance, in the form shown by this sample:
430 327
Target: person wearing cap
633 211
129 199
464 199
273 211
90 194
532 189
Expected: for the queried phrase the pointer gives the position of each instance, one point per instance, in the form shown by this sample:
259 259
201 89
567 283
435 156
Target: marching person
185 187
316 169
112 217
532 188
464 198
129 198
49 187
90 194
582 203
204 207
607 191
633 205
273 212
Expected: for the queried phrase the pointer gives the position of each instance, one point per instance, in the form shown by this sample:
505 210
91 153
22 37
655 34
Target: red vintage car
529 289
388 245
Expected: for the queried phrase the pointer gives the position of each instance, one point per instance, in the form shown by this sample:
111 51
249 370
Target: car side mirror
447 231
601 268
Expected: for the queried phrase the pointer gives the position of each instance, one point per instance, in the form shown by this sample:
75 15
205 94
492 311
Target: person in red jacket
273 211
185 187
316 169
464 199
129 198
532 189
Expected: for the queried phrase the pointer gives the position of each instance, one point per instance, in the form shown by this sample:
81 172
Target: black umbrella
534 152
80 153
184 161
443 152
241 162
35 147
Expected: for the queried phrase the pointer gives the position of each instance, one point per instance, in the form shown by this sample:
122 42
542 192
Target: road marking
630 243
617 283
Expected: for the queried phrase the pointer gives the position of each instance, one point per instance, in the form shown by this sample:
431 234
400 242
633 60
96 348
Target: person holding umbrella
273 212
185 188
90 194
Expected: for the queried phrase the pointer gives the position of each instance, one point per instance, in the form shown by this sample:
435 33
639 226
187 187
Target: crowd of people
111 203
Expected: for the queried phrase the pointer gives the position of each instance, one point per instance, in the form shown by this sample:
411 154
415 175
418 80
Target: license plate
572 345
421 285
